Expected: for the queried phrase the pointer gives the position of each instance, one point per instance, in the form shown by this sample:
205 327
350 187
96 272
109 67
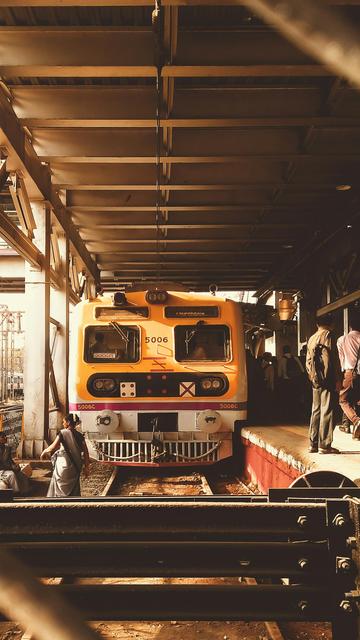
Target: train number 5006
154 339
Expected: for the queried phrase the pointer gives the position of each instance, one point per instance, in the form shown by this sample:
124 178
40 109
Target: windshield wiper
121 332
190 335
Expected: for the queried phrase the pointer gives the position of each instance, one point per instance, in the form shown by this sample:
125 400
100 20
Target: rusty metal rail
310 544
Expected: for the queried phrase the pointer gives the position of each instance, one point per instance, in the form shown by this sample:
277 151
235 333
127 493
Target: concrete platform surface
286 447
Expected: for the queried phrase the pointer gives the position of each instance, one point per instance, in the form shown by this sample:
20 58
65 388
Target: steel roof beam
236 208
240 186
76 51
94 242
113 255
196 123
129 52
139 102
140 3
230 225
213 159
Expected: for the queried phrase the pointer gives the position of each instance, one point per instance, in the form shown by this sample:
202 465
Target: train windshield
112 343
201 342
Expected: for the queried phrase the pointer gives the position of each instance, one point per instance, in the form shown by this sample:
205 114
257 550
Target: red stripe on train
157 406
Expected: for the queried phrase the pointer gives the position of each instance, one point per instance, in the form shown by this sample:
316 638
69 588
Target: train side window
202 343
116 343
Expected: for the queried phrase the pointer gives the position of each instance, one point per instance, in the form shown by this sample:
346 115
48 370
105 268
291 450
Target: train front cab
159 379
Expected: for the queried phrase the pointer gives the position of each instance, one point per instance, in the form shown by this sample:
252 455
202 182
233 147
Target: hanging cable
157 28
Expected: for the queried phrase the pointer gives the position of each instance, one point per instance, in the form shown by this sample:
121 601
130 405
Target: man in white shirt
349 351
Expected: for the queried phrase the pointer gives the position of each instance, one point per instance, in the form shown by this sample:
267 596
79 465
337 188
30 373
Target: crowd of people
333 368
322 382
279 389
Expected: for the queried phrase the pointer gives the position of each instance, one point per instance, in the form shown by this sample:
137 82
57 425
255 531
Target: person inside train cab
205 347
99 346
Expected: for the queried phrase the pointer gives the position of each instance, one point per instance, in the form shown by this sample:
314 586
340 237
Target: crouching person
68 455
11 475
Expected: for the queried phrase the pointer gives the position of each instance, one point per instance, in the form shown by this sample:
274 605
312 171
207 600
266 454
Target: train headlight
208 421
156 296
109 384
211 384
104 384
107 421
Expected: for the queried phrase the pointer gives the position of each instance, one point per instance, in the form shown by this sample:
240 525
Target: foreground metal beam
35 607
37 178
177 558
198 602
119 519
315 29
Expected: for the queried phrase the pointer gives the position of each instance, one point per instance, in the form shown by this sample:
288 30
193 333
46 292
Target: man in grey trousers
322 365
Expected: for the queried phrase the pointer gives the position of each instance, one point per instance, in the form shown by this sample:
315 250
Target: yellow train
158 377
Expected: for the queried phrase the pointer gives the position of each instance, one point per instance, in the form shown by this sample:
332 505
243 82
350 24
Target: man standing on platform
349 352
323 369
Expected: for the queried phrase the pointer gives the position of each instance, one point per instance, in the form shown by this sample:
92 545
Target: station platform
274 456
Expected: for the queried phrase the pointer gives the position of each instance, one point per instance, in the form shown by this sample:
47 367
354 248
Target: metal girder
340 303
174 558
92 240
46 103
191 160
239 186
139 3
76 51
150 520
197 123
19 241
129 52
198 602
230 225
37 177
186 143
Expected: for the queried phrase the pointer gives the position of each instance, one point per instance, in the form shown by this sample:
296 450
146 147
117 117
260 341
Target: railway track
168 483
164 484
189 485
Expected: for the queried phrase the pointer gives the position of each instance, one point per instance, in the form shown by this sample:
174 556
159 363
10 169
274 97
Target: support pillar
60 312
36 355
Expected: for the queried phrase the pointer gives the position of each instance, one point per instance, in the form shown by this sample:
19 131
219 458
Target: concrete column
36 356
60 312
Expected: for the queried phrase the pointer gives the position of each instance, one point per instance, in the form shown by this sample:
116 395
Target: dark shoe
344 429
328 450
313 448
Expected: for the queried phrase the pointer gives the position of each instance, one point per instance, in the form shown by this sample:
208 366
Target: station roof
226 174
